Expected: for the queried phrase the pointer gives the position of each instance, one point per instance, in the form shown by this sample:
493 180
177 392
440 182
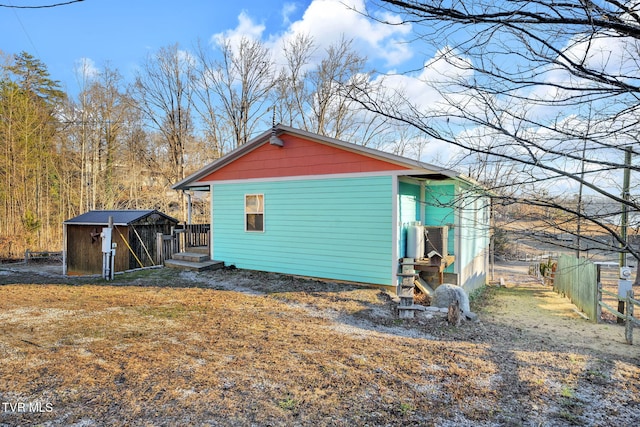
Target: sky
121 33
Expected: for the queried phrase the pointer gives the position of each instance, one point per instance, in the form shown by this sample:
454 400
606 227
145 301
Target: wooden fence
582 282
624 300
576 278
181 238
42 256
628 301
167 245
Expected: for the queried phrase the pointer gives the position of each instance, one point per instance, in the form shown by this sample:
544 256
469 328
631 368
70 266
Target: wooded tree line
533 96
121 144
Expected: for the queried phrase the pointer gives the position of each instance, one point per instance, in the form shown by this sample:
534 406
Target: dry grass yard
228 348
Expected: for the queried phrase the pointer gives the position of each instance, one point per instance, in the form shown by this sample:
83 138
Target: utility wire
10 6
26 33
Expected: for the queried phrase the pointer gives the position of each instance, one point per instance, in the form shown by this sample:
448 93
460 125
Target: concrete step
191 257
194 266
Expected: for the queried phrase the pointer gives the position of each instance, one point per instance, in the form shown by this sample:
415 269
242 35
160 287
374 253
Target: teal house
298 203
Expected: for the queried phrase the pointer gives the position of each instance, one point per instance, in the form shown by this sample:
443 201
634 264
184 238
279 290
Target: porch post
458 212
189 209
211 221
394 231
422 203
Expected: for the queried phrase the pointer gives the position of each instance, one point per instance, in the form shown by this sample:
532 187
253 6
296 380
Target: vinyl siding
474 240
335 228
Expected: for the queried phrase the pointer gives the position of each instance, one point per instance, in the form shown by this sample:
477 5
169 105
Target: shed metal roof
120 217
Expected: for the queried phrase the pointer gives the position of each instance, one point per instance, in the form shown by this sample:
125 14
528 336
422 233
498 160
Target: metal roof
120 217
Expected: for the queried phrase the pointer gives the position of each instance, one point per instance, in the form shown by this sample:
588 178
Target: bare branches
163 91
240 81
608 16
536 98
11 6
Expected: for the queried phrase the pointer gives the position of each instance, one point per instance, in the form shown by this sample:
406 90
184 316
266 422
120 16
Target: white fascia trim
394 174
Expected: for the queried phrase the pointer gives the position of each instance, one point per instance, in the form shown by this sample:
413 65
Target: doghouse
134 233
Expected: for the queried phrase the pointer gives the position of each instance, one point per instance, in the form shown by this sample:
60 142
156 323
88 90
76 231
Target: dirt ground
292 351
552 319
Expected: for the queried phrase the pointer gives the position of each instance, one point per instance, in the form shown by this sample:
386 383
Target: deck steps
199 250
194 259
191 257
194 266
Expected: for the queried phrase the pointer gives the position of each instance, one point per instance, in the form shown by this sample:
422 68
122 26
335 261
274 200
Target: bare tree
292 90
310 92
163 93
547 91
332 114
105 141
234 89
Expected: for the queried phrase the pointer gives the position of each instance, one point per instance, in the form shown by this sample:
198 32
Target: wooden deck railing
196 234
181 238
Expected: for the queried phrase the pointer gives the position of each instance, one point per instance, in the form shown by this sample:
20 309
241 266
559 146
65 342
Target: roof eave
185 184
101 221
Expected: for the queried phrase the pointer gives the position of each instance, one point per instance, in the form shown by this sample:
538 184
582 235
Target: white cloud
247 28
85 68
435 87
329 20
287 10
186 57
617 56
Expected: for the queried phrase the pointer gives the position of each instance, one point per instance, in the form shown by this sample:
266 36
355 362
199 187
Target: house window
254 212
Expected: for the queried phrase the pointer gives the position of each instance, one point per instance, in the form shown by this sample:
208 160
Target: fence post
174 245
598 293
159 249
187 236
628 327
598 301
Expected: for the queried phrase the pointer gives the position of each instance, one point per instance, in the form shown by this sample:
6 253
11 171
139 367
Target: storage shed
134 233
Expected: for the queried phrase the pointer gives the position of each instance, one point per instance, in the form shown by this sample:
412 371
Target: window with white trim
254 212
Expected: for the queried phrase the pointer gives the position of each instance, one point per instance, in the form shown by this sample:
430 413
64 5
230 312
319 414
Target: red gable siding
298 157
